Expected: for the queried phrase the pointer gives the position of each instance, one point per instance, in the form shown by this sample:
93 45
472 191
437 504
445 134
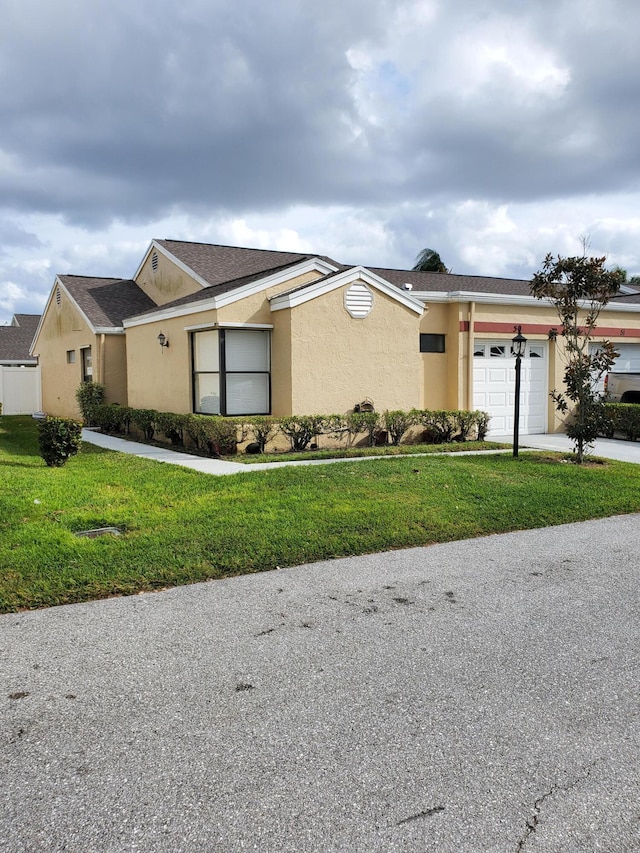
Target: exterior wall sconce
553 334
163 341
519 343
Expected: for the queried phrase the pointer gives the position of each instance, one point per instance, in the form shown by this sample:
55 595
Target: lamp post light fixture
163 341
518 345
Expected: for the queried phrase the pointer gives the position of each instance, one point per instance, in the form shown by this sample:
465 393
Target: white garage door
494 378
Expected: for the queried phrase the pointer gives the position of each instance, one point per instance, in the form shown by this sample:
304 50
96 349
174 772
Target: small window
431 343
71 356
497 351
536 351
479 351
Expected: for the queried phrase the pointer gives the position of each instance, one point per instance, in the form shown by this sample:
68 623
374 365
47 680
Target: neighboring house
249 331
19 373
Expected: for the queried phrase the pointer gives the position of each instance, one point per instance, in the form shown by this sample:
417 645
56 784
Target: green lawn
181 526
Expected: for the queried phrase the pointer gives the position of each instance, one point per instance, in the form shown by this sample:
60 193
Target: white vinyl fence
20 390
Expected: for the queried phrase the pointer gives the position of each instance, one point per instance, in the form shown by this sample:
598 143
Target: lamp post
518 345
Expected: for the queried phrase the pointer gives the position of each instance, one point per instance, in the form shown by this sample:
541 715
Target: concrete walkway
219 466
625 451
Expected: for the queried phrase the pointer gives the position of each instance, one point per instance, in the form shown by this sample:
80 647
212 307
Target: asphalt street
474 696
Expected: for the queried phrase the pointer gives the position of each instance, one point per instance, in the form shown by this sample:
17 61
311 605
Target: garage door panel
498 375
494 390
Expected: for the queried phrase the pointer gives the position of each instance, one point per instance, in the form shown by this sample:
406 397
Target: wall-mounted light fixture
553 334
163 341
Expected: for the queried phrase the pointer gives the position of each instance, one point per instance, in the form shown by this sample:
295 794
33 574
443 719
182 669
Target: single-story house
19 373
236 331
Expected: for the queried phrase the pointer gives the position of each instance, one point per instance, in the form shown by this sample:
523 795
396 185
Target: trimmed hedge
622 418
219 436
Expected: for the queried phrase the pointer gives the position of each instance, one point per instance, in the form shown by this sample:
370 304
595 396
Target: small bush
300 429
363 422
441 424
397 423
59 439
173 426
465 422
89 396
146 421
620 417
482 424
263 428
213 434
112 418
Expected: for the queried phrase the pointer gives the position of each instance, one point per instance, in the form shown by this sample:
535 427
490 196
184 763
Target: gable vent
358 301
58 296
154 262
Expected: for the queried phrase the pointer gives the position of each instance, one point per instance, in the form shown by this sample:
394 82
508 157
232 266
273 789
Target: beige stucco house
249 331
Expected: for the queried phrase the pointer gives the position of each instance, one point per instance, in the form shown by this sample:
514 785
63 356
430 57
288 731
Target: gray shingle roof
15 340
218 289
107 301
448 282
218 264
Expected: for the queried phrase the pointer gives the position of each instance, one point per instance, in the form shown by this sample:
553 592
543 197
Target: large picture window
232 372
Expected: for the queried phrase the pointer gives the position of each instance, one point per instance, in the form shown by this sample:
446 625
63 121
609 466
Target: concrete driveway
624 451
473 696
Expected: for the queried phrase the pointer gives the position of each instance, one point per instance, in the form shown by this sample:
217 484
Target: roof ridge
228 246
449 274
95 277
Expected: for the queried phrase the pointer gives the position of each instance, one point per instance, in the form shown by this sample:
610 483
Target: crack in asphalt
532 822
425 813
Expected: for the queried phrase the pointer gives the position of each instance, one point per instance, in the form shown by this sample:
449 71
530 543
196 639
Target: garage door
494 378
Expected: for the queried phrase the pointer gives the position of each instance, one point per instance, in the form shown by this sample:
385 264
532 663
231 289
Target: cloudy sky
494 131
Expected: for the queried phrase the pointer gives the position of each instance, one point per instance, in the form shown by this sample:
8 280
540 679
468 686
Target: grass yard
180 526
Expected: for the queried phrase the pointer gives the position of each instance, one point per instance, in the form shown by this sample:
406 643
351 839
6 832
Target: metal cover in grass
99 531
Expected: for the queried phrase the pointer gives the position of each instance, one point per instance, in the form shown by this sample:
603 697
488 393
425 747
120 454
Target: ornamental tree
580 288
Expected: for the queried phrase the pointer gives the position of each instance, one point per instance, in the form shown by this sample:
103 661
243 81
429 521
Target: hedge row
220 436
622 418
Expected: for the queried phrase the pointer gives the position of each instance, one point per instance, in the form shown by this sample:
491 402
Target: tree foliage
429 261
580 287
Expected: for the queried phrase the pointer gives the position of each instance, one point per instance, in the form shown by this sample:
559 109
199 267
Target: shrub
363 422
89 396
440 423
335 426
397 423
263 428
146 421
173 426
482 424
215 435
300 429
59 439
465 422
111 417
619 417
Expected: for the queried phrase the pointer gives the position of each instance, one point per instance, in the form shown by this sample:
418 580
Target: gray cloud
113 112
